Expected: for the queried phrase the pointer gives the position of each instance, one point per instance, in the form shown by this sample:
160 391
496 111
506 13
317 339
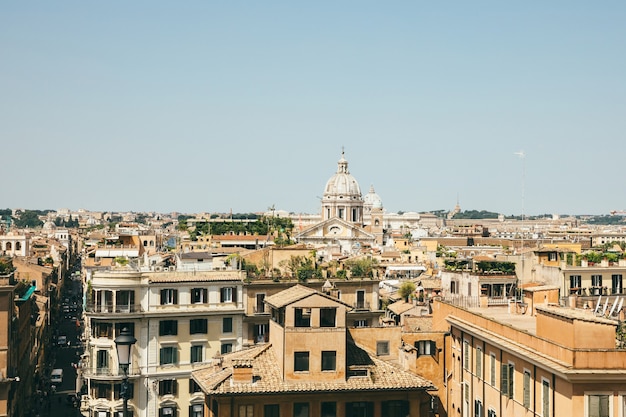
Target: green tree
29 218
406 289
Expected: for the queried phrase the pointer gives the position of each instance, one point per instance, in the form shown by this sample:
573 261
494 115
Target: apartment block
180 320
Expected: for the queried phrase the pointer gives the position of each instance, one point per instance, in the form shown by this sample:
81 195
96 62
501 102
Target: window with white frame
492 370
228 295
545 398
466 355
196 410
575 283
197 353
169 296
199 295
598 404
478 408
425 348
526 398
506 379
479 362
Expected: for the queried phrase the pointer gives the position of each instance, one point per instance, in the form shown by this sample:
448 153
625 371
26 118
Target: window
479 362
197 353
227 325
167 412
395 408
545 398
596 280
301 361
271 410
168 328
327 317
478 408
246 410
382 348
491 413
193 386
197 326
117 391
124 301
121 326
300 409
169 296
102 329
196 410
168 355
506 379
168 387
101 391
527 389
361 323
260 303
199 295
329 360
228 295
360 409
466 355
552 256
598 405
226 348
329 409
303 317
492 373
102 361
575 282
425 348
616 283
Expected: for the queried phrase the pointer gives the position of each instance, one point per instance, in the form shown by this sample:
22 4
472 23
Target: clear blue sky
211 106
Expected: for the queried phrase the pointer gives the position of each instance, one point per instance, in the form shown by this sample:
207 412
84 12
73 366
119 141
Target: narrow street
58 402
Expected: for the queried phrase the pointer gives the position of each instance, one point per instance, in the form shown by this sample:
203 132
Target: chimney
242 371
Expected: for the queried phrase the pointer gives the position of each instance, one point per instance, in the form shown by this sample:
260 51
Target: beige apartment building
180 320
535 359
361 295
311 366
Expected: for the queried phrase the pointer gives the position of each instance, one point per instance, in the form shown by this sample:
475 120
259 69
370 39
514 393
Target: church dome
342 184
372 200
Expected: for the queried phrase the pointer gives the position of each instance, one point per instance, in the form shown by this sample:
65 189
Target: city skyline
209 107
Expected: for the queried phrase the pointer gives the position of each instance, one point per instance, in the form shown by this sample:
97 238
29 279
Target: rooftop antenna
522 156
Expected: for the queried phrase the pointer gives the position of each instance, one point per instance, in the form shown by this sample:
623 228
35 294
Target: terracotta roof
290 295
418 323
400 307
296 293
216 379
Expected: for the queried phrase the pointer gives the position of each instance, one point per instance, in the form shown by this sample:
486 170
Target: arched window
9 246
18 246
376 222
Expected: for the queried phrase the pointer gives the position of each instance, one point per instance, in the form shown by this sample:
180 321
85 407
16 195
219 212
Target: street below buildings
59 399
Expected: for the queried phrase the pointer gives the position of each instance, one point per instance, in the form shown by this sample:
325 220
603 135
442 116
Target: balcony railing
261 310
111 308
361 305
109 372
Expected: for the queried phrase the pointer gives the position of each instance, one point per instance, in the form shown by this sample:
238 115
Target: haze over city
206 106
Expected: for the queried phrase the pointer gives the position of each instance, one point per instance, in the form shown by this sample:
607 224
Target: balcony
109 372
112 308
361 305
261 310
